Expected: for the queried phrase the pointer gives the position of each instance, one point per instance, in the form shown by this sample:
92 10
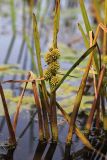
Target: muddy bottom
29 147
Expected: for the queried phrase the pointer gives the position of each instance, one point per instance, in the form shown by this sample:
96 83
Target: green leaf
86 42
75 65
37 45
85 17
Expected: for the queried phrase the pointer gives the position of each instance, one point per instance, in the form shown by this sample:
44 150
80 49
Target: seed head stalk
53 93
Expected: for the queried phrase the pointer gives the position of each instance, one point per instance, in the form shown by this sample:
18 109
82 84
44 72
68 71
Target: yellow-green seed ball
47 74
54 81
56 53
48 57
53 67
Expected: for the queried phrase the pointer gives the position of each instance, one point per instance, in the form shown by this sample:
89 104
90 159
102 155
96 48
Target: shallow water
28 146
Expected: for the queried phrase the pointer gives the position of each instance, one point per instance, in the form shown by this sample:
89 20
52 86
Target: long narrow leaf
75 65
37 45
86 42
85 17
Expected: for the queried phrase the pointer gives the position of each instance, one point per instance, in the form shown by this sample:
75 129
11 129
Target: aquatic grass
78 99
81 136
38 54
88 28
77 130
47 106
53 93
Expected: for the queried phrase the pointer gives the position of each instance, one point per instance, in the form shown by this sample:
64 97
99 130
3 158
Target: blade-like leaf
75 65
85 17
86 42
37 45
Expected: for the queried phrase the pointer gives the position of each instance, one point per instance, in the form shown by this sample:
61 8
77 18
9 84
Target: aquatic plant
45 99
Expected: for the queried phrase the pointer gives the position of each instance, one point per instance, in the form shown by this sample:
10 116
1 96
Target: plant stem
105 34
94 105
45 116
12 139
38 54
16 115
37 102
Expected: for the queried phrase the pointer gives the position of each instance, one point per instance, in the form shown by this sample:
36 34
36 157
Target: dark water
29 147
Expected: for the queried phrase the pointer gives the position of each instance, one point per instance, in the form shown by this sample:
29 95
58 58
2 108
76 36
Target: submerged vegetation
46 84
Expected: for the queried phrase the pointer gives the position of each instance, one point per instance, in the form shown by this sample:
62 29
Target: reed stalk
103 106
38 54
16 115
98 114
78 99
45 116
12 139
94 105
53 93
40 120
105 34
77 130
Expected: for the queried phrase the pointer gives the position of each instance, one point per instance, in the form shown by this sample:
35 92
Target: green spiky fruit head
54 81
47 74
52 56
48 58
53 67
56 53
